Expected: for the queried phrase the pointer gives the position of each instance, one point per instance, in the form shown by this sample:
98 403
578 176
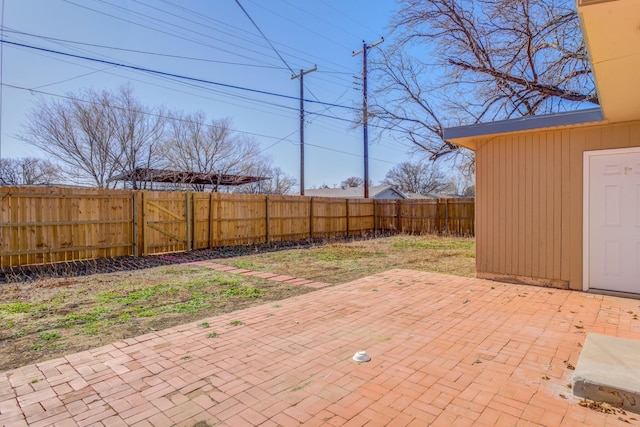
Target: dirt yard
48 318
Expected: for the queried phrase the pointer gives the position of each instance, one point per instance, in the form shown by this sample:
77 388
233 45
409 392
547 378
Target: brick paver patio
445 351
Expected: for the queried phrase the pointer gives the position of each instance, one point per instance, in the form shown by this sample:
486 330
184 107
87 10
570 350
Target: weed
212 335
49 336
243 292
180 271
19 307
185 357
245 264
35 380
203 325
198 302
236 323
438 244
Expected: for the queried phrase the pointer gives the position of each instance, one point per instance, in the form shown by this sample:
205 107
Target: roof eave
467 136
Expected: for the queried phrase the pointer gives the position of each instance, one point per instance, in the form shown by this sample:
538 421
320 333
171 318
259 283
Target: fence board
45 225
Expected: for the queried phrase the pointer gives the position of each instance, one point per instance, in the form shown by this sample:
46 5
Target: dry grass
342 262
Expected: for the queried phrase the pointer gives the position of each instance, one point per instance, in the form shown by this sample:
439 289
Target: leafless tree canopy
99 136
353 181
278 182
418 177
28 171
464 61
96 135
198 145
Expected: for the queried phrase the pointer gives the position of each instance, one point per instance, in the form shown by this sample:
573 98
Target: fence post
446 215
145 243
267 222
398 214
375 217
347 214
134 222
188 217
210 222
311 218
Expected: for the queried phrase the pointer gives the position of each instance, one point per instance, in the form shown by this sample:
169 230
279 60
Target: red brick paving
446 351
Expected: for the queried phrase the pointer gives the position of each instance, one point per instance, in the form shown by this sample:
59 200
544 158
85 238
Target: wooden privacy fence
44 225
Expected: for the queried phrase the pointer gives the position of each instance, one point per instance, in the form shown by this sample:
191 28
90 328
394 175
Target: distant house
558 196
375 192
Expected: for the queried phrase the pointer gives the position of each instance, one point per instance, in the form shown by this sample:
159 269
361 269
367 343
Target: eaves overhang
467 136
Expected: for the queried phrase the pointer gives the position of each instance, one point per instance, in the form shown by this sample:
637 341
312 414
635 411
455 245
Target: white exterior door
613 215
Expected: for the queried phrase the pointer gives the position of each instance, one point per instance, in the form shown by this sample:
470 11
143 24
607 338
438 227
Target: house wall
529 202
388 194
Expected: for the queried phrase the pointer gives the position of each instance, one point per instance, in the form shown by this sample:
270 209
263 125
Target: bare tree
197 145
138 134
353 181
277 181
95 135
464 61
418 177
28 171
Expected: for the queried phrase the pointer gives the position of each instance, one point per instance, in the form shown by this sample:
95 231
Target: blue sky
229 50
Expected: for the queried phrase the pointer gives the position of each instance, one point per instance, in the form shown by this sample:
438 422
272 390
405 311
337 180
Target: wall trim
523 280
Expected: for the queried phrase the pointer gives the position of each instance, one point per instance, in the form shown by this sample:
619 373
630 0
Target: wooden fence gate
167 222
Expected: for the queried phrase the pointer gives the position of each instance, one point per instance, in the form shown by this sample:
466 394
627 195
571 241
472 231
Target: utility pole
301 77
365 114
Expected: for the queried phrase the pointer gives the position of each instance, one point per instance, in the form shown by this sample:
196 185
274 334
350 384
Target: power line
165 32
189 58
278 139
73 98
264 36
174 75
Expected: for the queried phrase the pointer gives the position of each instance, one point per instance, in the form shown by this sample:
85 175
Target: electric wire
179 76
264 36
278 139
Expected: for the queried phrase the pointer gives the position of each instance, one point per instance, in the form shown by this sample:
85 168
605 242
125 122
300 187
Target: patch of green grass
243 292
203 325
48 336
343 254
245 264
180 271
438 244
212 335
199 302
211 281
236 323
20 307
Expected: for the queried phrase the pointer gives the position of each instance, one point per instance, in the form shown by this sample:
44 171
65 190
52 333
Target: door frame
585 204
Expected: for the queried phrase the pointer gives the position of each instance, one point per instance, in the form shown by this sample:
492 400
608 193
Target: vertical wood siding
529 201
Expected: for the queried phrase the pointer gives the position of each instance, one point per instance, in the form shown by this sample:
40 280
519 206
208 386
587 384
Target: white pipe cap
361 356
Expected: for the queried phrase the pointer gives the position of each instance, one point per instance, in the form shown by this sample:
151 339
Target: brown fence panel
201 208
461 214
329 217
289 218
43 225
361 215
419 216
238 219
166 222
386 215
